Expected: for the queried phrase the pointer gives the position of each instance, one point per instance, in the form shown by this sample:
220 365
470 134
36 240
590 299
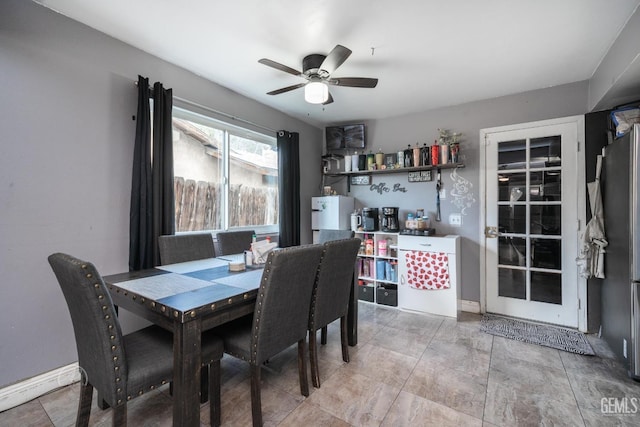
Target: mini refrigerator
331 213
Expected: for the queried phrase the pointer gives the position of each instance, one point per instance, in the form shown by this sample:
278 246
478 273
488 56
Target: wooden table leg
187 361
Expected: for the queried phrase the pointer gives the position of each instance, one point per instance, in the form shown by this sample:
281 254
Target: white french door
533 191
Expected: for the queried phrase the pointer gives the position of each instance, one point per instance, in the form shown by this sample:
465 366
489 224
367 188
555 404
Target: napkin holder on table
261 250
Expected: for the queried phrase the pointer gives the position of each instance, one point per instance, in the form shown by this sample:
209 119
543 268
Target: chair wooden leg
313 357
84 406
214 394
120 416
256 401
323 336
204 384
102 404
302 368
343 339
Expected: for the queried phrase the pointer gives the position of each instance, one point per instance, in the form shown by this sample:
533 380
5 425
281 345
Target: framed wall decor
420 176
361 180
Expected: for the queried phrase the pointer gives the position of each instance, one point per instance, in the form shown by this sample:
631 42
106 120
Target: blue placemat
211 274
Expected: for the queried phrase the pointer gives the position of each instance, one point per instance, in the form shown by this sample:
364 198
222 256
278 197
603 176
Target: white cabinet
429 274
378 267
331 213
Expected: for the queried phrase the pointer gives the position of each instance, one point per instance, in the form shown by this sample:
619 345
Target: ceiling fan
317 70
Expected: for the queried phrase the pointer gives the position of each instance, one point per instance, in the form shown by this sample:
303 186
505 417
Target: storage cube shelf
378 267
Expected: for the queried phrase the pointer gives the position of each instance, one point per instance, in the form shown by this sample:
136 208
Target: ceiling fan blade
353 82
278 66
285 89
336 58
329 100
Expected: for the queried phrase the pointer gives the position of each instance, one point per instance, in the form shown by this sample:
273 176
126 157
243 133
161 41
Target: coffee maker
370 219
390 219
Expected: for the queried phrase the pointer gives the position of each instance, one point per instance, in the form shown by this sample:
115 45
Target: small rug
533 333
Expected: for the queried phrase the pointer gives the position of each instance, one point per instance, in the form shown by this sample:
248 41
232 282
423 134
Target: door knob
491 232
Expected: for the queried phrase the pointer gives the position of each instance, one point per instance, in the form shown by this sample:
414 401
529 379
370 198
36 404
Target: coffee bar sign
420 176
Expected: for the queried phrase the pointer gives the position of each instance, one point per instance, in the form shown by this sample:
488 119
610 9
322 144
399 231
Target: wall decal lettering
383 188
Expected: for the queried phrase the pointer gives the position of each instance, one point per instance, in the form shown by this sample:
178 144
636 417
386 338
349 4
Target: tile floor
407 370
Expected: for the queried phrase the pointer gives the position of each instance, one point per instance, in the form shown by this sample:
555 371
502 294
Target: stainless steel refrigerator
621 286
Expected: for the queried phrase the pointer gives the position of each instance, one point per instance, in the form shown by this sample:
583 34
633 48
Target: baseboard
471 306
24 391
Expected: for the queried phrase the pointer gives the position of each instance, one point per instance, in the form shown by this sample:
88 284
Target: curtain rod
222 113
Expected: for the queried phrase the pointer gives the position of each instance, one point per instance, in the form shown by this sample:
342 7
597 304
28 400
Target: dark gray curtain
152 211
289 188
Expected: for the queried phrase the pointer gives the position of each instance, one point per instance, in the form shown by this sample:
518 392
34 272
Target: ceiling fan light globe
316 92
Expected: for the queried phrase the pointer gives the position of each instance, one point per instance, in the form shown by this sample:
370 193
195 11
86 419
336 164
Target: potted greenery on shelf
449 145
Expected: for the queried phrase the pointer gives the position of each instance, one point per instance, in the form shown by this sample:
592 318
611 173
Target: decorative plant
448 137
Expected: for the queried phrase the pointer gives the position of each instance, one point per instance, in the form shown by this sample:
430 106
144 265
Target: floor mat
533 333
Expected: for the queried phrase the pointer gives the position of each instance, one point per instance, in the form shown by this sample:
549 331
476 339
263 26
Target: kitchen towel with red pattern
427 270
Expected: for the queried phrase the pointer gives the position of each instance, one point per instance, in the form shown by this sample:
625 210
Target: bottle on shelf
416 155
368 246
425 152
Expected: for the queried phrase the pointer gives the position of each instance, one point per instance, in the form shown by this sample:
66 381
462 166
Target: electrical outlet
455 219
624 348
443 193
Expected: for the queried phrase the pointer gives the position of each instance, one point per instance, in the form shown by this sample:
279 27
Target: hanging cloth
591 258
427 270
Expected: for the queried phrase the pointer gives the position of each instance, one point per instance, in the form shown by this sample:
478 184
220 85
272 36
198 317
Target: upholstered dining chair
182 248
234 242
330 299
327 235
185 247
121 367
280 317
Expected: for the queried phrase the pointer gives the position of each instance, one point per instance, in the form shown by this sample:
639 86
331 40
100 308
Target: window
225 177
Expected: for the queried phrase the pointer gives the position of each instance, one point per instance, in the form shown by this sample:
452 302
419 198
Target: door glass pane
546 219
545 186
512 186
545 152
512 283
512 251
545 253
512 219
546 287
512 154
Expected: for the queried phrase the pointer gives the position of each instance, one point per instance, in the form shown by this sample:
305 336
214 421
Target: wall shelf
398 170
391 171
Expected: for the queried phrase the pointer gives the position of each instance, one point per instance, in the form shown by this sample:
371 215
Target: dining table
191 297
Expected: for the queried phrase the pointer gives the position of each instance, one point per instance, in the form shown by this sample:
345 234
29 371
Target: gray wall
394 134
67 97
66 104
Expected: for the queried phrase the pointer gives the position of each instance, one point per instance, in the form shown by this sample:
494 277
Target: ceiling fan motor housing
311 64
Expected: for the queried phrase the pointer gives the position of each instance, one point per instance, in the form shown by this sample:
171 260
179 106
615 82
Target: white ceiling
426 53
